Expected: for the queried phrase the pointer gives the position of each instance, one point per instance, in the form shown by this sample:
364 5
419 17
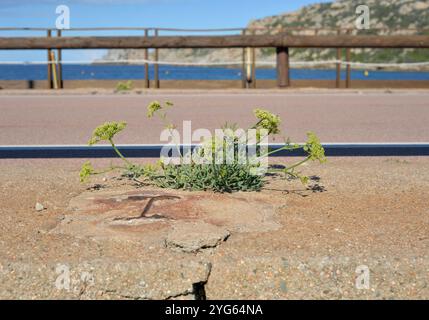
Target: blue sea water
134 72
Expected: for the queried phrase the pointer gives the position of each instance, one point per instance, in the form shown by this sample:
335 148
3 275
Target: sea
166 72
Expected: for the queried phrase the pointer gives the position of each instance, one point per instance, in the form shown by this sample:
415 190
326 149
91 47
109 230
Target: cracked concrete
172 278
183 228
286 242
180 220
195 236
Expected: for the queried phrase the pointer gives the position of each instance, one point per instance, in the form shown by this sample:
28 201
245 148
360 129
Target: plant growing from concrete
220 177
124 86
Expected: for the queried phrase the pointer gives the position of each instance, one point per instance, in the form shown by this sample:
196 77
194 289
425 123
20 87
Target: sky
192 14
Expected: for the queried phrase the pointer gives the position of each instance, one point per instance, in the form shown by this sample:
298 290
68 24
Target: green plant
215 177
225 176
124 86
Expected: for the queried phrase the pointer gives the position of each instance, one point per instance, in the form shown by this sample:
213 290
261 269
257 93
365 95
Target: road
335 117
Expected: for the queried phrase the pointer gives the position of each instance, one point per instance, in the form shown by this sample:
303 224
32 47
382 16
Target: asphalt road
335 117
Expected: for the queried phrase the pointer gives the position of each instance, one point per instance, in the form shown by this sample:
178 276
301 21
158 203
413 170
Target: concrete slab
178 219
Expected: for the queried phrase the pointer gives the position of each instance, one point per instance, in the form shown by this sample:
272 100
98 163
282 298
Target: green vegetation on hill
387 17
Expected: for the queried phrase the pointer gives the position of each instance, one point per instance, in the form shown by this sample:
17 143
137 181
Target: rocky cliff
386 17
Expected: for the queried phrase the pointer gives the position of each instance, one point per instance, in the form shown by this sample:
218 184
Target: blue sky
137 13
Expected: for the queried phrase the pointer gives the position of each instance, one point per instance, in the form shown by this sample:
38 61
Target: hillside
389 15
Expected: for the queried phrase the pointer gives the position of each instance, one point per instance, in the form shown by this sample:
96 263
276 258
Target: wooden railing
239 41
282 42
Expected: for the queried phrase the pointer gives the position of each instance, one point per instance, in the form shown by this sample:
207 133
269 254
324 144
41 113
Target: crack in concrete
147 207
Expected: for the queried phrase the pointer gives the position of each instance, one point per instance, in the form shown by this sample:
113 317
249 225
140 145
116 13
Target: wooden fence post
253 65
338 79
146 65
348 70
248 68
243 66
60 65
156 67
349 67
339 53
54 70
283 79
50 83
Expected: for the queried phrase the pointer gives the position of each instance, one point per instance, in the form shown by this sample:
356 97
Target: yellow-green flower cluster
86 171
106 132
314 149
156 106
268 121
226 176
153 107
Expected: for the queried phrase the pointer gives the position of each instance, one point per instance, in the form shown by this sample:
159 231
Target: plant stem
287 147
298 164
119 153
256 125
107 170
